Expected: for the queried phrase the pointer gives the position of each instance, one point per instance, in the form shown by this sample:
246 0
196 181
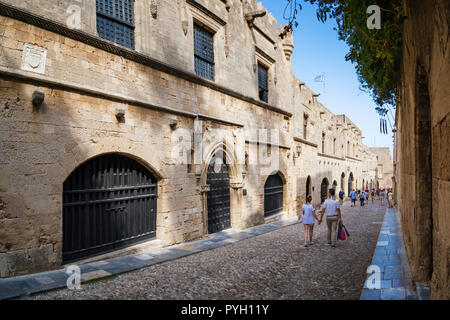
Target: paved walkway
389 265
272 265
263 262
23 286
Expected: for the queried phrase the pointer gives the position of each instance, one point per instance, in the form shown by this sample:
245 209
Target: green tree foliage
375 52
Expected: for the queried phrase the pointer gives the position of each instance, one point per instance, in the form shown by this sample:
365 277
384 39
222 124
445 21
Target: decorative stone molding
288 45
205 17
154 8
236 185
205 188
250 15
34 58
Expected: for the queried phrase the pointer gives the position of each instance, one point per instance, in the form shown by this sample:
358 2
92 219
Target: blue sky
318 50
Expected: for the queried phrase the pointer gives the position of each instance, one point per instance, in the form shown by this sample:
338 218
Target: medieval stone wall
86 82
422 152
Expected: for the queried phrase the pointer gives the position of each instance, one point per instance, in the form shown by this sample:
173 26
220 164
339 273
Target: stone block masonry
88 80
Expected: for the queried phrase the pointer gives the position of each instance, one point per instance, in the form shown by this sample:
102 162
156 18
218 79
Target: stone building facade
421 157
384 167
124 121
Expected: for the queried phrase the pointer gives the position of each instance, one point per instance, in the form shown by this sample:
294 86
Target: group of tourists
331 208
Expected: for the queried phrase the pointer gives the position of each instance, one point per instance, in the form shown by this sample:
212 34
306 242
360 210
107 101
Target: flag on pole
320 78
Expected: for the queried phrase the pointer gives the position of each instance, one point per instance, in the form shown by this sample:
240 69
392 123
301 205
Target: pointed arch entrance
218 196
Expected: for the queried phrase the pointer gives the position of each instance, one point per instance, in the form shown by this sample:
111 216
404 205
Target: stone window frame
117 21
209 21
266 61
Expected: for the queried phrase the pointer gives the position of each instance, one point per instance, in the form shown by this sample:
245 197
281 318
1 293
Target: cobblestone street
274 265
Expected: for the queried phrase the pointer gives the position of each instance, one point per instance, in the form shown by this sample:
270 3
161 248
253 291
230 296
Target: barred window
115 21
262 83
203 53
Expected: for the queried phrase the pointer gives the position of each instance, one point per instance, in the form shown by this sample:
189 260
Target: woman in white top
309 214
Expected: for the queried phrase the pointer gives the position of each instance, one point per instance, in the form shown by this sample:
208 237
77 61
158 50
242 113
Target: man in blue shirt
353 196
362 198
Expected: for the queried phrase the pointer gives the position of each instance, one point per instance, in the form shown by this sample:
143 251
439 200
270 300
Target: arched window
273 195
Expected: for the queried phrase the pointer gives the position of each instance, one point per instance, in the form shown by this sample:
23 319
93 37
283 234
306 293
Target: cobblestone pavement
274 265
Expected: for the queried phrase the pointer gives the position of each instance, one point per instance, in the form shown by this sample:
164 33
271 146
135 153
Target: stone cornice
329 156
23 76
351 158
96 42
205 11
312 144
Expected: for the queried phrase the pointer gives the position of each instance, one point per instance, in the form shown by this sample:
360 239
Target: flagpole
323 76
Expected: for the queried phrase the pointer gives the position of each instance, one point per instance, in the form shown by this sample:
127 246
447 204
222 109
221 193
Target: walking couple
331 209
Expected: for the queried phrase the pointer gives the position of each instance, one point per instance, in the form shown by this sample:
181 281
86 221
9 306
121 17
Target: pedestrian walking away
307 218
332 210
353 196
362 198
341 196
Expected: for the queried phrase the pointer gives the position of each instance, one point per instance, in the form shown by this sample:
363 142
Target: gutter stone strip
390 257
23 286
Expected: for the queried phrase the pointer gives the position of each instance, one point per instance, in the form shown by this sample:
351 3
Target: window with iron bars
263 83
115 21
203 52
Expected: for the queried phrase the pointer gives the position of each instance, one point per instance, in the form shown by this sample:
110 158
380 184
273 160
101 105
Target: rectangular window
203 53
115 21
323 142
305 126
263 83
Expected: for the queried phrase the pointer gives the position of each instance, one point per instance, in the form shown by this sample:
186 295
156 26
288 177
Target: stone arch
343 181
235 181
102 210
350 182
324 185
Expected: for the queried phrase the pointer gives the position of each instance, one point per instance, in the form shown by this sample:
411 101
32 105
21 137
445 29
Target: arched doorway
342 181
273 195
350 183
308 186
108 202
363 185
324 189
218 196
334 186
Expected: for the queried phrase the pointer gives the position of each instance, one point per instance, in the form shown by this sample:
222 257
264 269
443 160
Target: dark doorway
273 195
218 196
108 202
350 183
324 190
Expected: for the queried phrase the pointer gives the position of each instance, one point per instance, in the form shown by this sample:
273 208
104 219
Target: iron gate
323 190
108 202
273 195
218 196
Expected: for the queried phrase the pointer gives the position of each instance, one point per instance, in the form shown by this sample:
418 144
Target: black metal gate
108 202
218 196
273 195
323 190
